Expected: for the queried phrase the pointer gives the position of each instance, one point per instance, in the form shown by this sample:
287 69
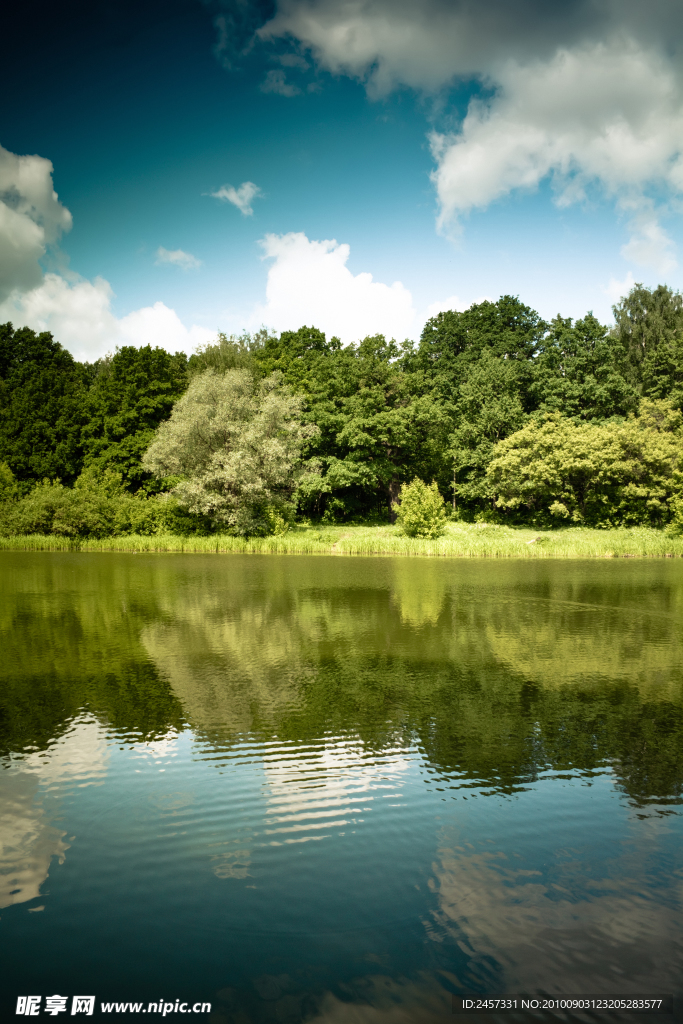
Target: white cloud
444 305
588 92
77 312
649 245
276 81
603 114
241 197
31 218
79 316
178 258
159 325
309 283
617 289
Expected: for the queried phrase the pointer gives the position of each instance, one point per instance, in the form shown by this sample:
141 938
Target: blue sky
452 151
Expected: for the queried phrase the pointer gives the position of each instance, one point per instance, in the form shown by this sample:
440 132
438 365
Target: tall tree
42 406
581 371
649 325
235 443
452 341
376 427
133 392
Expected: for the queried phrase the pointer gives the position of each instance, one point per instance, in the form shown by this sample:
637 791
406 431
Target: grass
461 540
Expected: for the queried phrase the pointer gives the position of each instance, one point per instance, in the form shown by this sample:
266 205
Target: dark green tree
42 406
649 326
582 371
451 342
378 428
134 390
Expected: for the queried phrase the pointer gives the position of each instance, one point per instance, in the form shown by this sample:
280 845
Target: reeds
461 540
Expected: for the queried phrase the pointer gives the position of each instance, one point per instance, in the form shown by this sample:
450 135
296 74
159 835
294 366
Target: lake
338 789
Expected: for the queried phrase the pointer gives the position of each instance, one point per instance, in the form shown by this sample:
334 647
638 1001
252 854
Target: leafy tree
580 371
377 425
488 408
420 510
133 392
649 326
42 406
600 474
235 352
452 341
236 446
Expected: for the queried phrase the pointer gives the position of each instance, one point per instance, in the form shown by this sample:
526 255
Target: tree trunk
392 491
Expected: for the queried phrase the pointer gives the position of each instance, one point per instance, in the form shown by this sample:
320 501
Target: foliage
489 408
133 391
96 506
601 474
235 352
42 406
8 484
355 424
580 371
236 446
420 511
451 340
649 327
377 427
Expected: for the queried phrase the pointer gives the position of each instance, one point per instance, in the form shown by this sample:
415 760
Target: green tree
649 326
133 392
8 484
599 474
452 341
234 352
42 406
420 510
581 371
235 443
488 408
378 426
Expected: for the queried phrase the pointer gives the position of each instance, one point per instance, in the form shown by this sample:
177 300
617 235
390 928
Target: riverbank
461 540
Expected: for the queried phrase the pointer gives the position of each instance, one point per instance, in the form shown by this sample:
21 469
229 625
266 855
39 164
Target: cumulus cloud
309 283
587 92
31 218
241 197
79 316
76 311
178 258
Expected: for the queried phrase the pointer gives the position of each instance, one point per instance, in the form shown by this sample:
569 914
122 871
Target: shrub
420 511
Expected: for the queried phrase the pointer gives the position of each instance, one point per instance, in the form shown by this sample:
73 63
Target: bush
420 511
96 506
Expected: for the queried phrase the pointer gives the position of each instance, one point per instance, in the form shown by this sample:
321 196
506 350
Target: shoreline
461 540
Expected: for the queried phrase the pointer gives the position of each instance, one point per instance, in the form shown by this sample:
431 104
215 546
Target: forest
515 420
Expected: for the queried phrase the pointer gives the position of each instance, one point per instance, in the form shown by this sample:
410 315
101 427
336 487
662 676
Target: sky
172 169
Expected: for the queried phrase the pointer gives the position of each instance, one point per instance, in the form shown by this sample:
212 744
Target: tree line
515 419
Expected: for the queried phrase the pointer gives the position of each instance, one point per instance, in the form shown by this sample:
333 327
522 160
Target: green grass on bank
461 540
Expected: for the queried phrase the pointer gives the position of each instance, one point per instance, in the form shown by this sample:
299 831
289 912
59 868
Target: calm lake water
338 789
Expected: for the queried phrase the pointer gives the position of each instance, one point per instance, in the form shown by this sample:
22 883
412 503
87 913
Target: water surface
338 789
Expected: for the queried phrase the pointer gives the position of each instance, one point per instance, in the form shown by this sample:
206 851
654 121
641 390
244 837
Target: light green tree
420 510
600 474
234 445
